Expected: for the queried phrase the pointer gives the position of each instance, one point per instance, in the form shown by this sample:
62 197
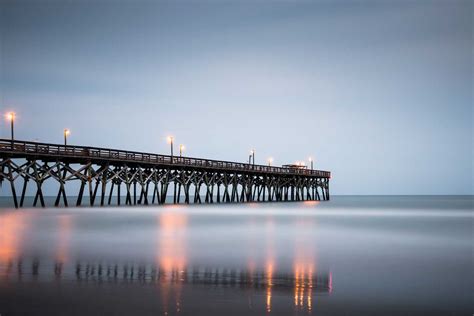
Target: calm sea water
350 256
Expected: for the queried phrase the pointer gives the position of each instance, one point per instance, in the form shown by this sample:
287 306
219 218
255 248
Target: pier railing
20 148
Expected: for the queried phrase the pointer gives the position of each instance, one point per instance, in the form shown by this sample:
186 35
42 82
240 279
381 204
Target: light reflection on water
171 255
283 258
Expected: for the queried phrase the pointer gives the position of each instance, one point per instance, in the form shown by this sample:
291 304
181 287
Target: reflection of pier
176 287
222 277
170 269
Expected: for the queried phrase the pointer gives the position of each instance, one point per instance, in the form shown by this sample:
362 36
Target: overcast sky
379 93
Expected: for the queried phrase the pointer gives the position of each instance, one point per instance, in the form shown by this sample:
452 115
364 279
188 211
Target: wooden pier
146 178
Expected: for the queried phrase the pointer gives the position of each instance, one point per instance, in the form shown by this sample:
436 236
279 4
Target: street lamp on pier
311 160
270 160
181 149
252 157
66 134
170 140
11 118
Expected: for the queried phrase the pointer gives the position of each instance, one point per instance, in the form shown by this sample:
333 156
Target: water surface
349 256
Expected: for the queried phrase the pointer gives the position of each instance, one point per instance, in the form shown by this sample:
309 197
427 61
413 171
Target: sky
378 92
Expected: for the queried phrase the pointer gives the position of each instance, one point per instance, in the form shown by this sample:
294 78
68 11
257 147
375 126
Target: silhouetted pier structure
103 170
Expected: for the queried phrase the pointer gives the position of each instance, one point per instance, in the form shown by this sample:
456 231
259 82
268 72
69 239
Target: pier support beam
217 186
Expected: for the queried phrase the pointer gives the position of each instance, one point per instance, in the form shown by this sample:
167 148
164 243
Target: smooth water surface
349 256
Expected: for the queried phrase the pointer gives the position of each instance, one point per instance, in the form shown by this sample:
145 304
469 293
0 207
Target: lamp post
66 134
170 140
252 154
11 118
311 161
270 160
181 149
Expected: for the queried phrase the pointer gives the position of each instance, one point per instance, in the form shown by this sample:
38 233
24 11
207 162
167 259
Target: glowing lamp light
270 160
10 116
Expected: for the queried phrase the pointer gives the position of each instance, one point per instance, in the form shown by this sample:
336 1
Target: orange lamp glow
10 116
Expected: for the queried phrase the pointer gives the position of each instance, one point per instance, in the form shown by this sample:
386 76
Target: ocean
353 255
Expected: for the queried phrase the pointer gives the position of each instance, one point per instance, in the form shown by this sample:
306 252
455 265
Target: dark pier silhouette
148 178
